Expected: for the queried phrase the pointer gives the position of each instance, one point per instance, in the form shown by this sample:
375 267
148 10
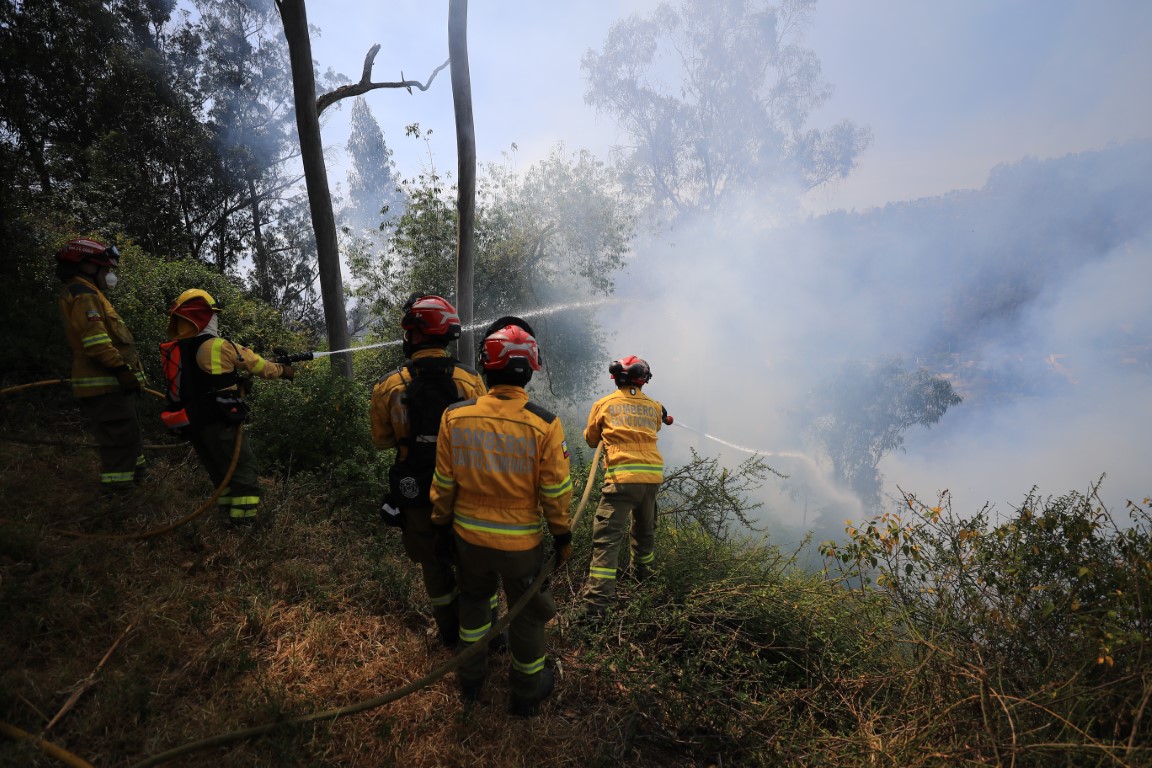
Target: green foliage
1045 616
860 415
736 651
710 495
554 236
318 425
715 98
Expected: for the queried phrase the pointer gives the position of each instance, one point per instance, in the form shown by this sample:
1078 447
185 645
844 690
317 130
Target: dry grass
213 630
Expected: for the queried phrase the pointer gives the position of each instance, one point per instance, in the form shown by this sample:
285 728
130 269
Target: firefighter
627 421
106 375
501 475
206 376
430 323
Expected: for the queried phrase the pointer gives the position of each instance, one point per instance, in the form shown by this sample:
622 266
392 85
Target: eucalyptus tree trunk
295 18
466 171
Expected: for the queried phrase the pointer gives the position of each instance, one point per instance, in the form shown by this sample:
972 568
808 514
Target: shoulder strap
441 365
540 411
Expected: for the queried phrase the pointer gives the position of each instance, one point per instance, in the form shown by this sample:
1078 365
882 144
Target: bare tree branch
355 89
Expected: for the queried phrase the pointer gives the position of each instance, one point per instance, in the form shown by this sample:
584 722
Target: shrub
318 424
1040 623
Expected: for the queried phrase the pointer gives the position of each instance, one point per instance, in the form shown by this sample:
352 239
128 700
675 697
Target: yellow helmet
191 313
194 293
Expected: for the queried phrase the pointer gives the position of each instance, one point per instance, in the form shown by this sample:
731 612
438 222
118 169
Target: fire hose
169 526
173 525
546 569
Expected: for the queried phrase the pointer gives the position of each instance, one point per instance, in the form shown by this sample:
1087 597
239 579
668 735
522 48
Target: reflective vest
190 391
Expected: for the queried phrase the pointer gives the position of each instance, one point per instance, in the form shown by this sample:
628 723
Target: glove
562 544
129 384
665 417
445 543
287 372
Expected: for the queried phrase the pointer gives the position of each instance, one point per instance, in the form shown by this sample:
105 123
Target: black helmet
631 370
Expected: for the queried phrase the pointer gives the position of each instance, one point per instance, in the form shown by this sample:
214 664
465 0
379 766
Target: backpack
429 389
192 397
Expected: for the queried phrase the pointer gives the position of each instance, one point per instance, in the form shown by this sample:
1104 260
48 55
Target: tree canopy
714 98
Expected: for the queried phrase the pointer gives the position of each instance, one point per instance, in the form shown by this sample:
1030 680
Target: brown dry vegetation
210 629
120 647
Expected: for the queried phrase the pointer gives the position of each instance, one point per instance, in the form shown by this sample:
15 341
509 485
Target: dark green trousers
620 503
115 427
480 571
419 540
214 444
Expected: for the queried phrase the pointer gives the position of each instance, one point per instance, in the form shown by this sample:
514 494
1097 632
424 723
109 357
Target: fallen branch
86 684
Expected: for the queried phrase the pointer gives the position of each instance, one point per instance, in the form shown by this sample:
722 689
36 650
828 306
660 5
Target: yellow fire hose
46 747
399 693
170 526
48 382
157 531
228 738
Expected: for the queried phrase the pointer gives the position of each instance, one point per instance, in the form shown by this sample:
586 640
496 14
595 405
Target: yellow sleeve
88 324
383 433
248 360
443 492
592 432
556 480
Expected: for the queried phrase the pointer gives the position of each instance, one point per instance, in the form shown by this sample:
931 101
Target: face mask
111 281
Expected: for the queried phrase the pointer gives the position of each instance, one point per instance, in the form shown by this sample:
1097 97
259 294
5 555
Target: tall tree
248 97
372 183
860 416
466 164
99 126
714 97
295 19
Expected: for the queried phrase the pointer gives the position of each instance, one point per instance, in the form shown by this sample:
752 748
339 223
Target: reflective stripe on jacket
627 421
390 416
501 471
99 339
219 356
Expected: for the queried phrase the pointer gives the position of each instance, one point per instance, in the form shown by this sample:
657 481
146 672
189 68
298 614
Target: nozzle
284 357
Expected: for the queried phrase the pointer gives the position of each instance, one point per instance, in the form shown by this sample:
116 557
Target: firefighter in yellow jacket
430 323
106 374
206 405
627 421
501 477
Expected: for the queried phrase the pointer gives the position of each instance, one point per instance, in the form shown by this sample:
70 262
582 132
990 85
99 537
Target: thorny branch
355 89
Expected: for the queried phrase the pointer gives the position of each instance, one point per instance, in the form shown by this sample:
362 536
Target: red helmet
92 251
430 316
509 341
630 370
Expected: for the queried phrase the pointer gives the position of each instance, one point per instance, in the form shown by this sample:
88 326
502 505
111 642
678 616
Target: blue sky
950 88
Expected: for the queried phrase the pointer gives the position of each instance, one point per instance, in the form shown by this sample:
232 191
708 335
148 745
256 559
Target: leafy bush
1041 623
318 424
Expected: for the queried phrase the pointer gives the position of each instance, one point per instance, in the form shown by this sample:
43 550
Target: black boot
448 624
530 707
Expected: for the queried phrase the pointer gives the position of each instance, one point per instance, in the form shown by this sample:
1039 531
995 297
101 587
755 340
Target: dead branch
355 89
84 685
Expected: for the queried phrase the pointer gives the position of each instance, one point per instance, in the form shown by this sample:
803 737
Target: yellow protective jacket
627 421
99 339
501 471
390 416
219 356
